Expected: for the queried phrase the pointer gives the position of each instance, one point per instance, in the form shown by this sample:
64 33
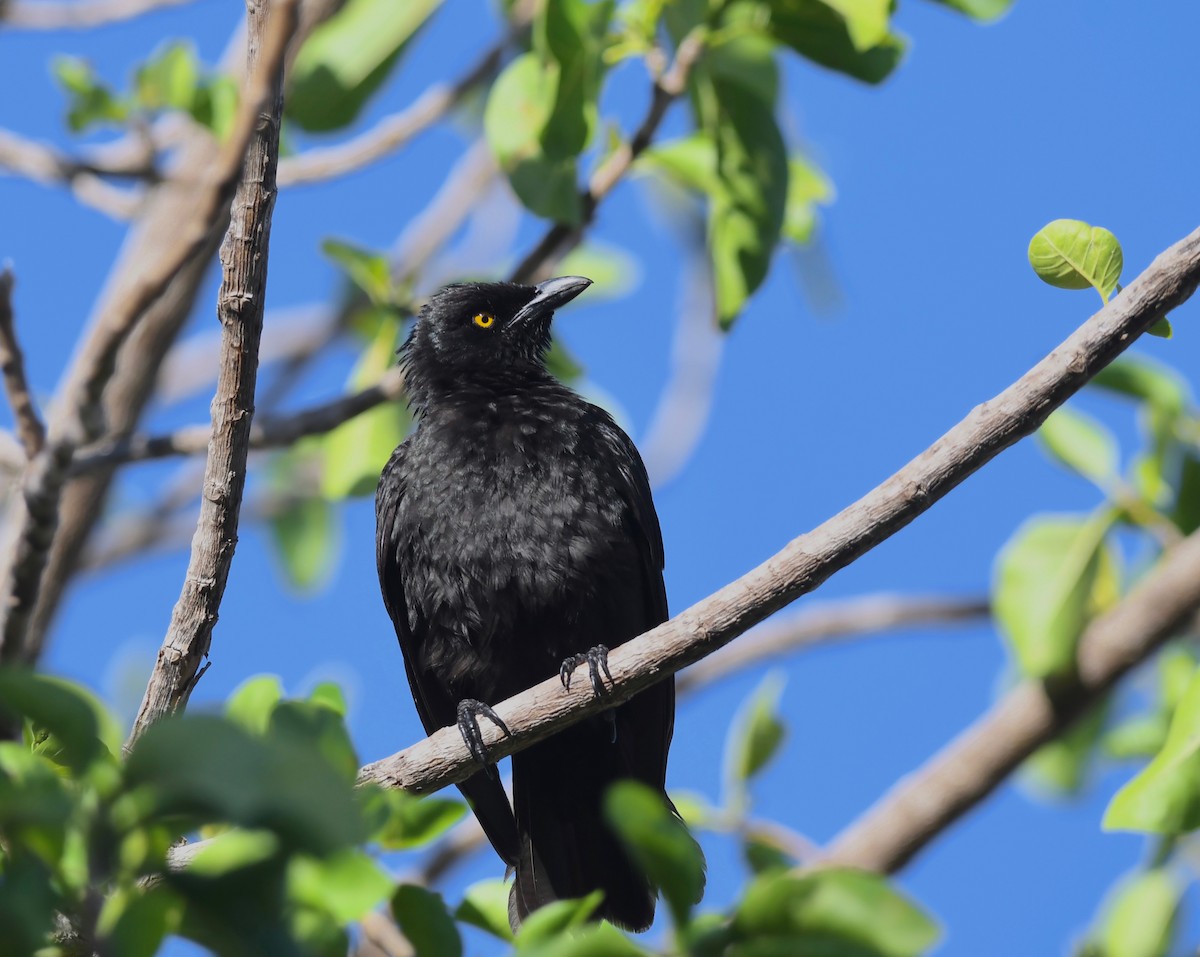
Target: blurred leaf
763 852
209 769
134 921
756 732
695 809
33 798
612 270
1140 736
252 702
368 270
308 542
1070 254
1165 797
659 842
328 694
215 105
410 820
834 911
233 851
594 940
569 35
485 905
1061 765
1145 380
89 102
348 57
1082 444
423 918
1042 590
1140 918
69 713
825 34
345 885
555 919
169 80
1186 513
314 726
27 907
808 188
690 161
979 9
519 107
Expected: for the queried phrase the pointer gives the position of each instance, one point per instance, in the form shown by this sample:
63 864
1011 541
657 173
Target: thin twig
809 560
866 614
561 237
77 15
922 805
12 367
244 256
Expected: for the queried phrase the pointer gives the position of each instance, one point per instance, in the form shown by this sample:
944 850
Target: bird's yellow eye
484 320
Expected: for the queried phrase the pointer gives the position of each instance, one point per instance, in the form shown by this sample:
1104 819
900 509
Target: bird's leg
597 661
469 713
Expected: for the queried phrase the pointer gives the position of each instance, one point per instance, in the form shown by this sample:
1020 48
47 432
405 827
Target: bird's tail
567 848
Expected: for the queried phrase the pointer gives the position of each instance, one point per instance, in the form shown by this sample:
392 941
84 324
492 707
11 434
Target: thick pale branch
244 256
32 528
810 559
12 367
76 15
968 769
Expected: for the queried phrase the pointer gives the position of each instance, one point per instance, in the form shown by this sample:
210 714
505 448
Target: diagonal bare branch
244 256
76 15
12 367
809 560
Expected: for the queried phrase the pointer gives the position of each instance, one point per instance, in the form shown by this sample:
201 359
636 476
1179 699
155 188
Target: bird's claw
597 661
469 713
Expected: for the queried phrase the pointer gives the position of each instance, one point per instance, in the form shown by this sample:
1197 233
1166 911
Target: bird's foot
597 661
469 713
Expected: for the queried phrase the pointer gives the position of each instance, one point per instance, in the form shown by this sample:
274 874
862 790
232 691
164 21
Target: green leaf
134 921
594 940
1141 736
1145 380
485 905
307 540
1140 918
614 272
763 852
215 105
825 35
979 9
210 770
35 805
746 212
252 702
328 694
233 851
808 188
1043 587
1082 444
1186 514
834 911
1162 329
170 79
348 57
1071 254
406 821
1165 797
89 102
690 161
570 35
367 269
519 107
556 919
423 918
1061 765
345 885
70 714
756 732
659 842
318 729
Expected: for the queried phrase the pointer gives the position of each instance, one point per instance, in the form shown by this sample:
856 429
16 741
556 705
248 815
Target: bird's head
482 335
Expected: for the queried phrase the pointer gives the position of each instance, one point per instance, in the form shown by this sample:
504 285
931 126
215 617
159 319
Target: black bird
516 539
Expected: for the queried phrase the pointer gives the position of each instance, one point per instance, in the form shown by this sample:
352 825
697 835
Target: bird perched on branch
516 540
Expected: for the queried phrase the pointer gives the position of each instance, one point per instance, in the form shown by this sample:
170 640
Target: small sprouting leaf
1043 589
485 905
757 732
659 842
345 885
834 912
808 188
423 918
1082 444
1165 797
1071 254
252 702
369 270
1140 917
348 57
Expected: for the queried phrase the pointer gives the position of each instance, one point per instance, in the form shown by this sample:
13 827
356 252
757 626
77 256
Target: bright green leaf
408 820
1162 329
367 269
555 919
317 729
690 161
68 712
307 540
346 885
1165 797
756 732
1140 916
808 188
328 694
1061 765
1145 380
485 905
1071 254
348 57
979 9
252 702
134 922
233 851
1043 587
1141 736
594 940
569 35
423 918
1082 444
612 270
170 79
659 842
90 102
819 32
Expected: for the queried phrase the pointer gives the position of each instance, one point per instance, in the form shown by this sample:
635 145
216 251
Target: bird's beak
550 295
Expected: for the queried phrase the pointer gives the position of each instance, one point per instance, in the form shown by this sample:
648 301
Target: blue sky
1074 109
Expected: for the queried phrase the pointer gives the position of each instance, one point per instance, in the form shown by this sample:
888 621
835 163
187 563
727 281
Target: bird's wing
435 706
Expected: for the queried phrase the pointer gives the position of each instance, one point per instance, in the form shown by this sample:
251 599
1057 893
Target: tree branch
32 531
967 770
244 256
12 367
77 15
809 560
44 164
